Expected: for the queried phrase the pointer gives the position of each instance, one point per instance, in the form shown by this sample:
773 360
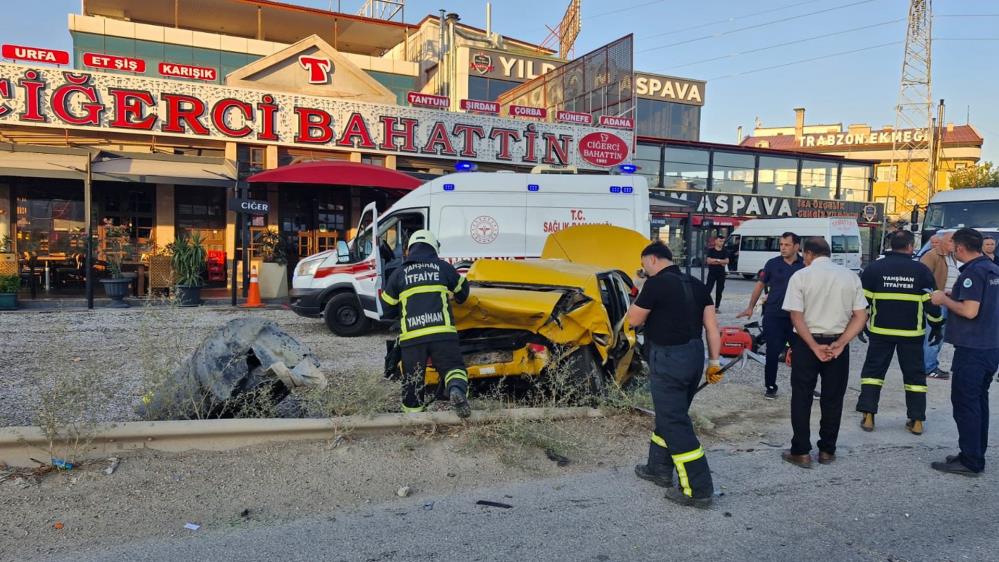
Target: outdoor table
47 260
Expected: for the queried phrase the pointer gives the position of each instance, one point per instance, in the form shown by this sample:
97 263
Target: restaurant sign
143 105
763 206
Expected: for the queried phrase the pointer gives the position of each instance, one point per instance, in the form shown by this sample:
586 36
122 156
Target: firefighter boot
460 403
659 469
867 422
915 427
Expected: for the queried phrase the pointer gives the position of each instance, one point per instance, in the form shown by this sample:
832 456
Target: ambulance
500 215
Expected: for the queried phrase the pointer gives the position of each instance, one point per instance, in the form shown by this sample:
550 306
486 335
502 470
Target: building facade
899 185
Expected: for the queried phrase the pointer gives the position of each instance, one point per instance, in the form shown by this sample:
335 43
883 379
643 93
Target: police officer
973 330
421 288
675 309
777 329
898 294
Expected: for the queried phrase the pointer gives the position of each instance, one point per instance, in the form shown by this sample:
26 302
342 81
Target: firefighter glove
713 373
936 336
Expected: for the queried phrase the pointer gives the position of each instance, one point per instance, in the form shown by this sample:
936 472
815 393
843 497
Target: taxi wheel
589 377
345 317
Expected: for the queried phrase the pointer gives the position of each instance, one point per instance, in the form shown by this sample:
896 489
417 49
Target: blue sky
679 36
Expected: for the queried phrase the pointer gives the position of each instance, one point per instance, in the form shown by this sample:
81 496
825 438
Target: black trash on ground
246 357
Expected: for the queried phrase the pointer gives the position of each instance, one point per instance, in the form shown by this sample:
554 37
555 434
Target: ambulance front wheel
345 317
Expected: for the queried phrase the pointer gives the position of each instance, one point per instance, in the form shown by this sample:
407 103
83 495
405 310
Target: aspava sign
143 105
669 88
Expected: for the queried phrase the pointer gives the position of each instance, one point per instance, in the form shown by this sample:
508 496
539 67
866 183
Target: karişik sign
138 104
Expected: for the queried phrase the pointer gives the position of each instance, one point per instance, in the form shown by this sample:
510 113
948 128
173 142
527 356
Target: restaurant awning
56 163
165 169
332 172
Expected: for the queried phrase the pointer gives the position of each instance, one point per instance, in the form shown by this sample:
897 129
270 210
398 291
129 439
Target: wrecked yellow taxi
526 318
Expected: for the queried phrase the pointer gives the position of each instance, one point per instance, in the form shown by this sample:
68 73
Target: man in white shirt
828 309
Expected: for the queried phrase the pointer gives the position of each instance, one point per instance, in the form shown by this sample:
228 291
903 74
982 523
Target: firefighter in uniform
676 310
898 292
419 293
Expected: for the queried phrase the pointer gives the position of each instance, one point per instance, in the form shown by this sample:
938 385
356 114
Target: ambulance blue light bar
449 187
627 168
465 166
627 189
615 189
533 187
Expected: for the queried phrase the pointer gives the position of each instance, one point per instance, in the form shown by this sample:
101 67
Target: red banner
574 117
603 149
187 71
111 62
479 106
34 54
525 111
428 100
617 122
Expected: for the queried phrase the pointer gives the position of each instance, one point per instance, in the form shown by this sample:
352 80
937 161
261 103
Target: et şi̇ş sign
249 206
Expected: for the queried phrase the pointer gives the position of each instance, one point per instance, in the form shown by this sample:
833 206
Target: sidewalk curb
19 444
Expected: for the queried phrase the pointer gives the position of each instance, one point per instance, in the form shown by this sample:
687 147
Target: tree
979 175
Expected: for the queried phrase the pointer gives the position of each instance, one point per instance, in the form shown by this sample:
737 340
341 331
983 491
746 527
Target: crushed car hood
538 310
603 245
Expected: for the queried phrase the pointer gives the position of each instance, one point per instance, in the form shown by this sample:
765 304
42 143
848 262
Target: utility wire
625 9
757 26
729 20
803 61
787 43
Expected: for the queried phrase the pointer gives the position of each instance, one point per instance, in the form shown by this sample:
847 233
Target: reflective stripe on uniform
461 283
659 440
679 461
905 297
873 382
427 332
389 299
407 410
915 388
455 374
934 318
422 289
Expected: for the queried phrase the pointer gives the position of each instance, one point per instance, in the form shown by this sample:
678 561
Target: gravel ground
125 347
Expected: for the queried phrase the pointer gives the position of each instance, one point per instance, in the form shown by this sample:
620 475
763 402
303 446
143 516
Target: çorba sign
144 105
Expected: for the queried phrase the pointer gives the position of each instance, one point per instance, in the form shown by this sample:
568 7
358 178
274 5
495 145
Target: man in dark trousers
675 309
717 263
777 329
973 330
421 288
828 309
898 290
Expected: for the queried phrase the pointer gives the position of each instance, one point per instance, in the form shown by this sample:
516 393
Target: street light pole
89 232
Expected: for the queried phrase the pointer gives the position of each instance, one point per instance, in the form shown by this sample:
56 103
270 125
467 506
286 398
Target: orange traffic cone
253 298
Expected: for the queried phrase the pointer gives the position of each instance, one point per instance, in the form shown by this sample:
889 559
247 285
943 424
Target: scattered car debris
488 503
58 525
429 506
115 461
61 464
556 458
245 514
645 411
244 356
404 492
192 526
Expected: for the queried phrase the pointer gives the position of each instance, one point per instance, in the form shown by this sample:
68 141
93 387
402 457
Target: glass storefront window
648 159
685 168
50 218
778 176
668 120
488 89
733 173
818 179
855 183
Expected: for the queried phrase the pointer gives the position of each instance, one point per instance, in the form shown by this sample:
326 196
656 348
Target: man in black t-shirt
675 309
717 261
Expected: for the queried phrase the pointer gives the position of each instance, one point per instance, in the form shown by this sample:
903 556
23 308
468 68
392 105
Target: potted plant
9 284
116 240
188 266
273 274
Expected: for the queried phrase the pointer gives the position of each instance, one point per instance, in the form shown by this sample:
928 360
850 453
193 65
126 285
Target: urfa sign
320 69
33 54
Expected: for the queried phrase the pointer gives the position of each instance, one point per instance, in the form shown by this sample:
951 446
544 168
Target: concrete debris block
243 356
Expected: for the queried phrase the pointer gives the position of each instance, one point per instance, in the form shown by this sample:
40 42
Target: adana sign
143 105
763 206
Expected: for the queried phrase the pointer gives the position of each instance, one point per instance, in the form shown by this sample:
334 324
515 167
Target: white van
756 241
474 215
